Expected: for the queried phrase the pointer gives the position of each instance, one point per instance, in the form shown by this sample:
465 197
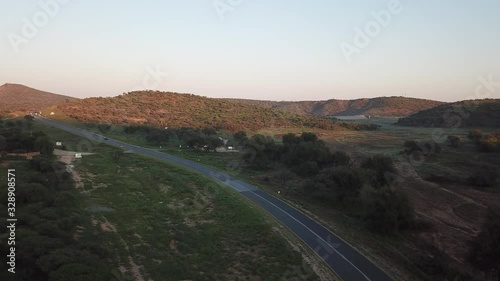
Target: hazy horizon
260 50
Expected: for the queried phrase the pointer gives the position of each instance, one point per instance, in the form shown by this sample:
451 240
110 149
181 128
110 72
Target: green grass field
166 223
448 206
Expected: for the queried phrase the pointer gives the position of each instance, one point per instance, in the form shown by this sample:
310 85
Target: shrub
239 136
485 176
104 128
306 169
475 136
44 145
490 143
261 151
383 168
485 248
388 211
308 137
425 147
339 184
454 141
340 158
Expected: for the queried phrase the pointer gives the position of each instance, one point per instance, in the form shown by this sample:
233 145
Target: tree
485 248
425 147
388 211
240 138
44 145
347 183
289 139
261 151
157 136
490 143
58 257
209 131
29 121
213 143
454 141
383 168
339 183
80 272
475 136
284 176
307 168
104 128
308 137
340 158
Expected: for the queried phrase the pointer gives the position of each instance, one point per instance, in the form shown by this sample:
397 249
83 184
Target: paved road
345 261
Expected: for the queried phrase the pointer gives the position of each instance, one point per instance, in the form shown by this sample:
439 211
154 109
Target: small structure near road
58 143
78 155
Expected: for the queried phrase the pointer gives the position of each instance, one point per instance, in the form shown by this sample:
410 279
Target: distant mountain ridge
381 106
20 98
463 114
168 109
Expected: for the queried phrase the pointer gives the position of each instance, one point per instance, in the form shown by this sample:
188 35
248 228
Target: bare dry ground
455 210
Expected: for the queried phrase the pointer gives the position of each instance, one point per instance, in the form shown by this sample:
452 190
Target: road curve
344 260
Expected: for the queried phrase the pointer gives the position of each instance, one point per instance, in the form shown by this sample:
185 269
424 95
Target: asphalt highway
343 259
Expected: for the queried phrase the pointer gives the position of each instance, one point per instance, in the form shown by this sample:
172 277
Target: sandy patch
135 269
173 246
163 188
28 156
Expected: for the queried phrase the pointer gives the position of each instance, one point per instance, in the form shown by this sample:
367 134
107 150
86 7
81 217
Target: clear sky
258 49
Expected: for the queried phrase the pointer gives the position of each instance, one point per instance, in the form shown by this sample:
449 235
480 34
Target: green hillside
464 114
381 107
166 109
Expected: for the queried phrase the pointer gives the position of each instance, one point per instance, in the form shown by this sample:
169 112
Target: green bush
383 169
337 184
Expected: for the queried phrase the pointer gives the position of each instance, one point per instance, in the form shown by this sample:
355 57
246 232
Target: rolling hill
464 114
167 109
15 98
380 107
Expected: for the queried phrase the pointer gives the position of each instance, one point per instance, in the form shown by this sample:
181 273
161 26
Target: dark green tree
485 248
454 141
388 211
383 169
44 145
475 136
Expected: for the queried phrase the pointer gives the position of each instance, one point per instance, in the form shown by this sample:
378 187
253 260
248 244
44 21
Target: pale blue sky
261 49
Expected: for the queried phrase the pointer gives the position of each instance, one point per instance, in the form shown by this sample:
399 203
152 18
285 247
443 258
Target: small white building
52 113
58 143
78 155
